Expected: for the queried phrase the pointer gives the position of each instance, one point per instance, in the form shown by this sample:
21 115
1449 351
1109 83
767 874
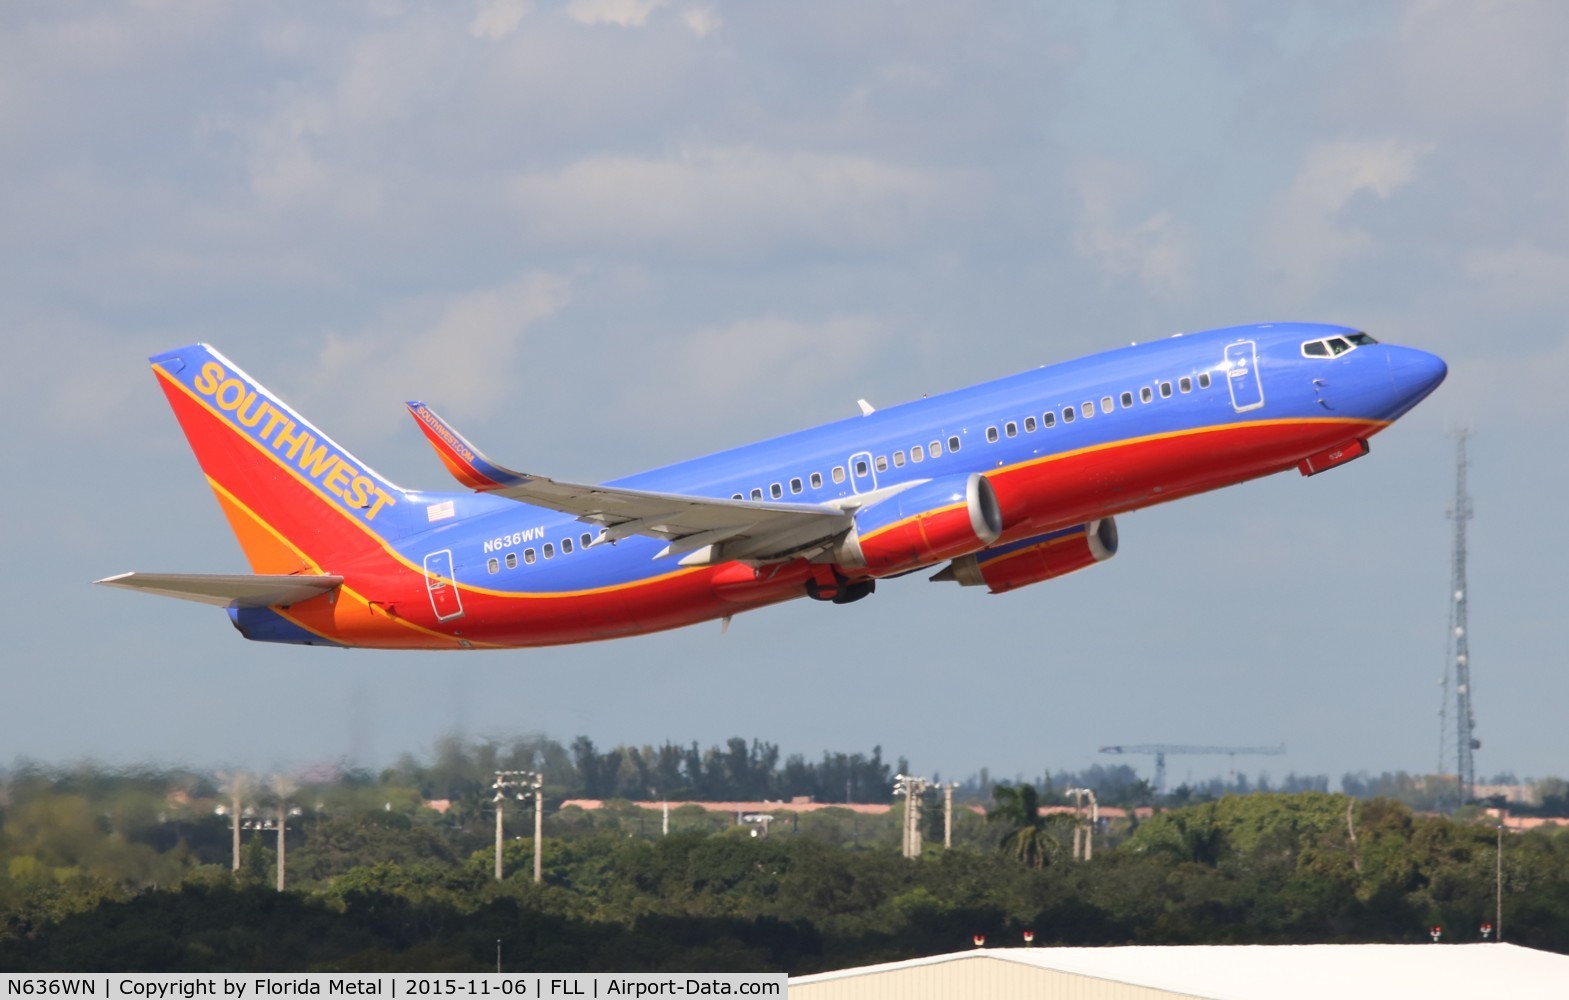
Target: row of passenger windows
918 454
1107 404
548 551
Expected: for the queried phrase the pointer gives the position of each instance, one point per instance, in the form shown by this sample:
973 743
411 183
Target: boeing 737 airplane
999 485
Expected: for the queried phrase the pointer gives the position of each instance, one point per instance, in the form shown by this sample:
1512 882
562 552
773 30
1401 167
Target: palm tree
1029 837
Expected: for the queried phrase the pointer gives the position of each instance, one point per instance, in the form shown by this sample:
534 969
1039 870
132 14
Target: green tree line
104 870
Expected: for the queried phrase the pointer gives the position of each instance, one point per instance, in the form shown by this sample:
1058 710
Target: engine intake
925 524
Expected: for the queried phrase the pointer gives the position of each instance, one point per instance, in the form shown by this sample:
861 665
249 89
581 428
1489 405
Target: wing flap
241 590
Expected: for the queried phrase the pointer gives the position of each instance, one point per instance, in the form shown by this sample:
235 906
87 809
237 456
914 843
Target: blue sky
602 235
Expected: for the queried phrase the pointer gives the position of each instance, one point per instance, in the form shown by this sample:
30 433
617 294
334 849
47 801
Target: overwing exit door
863 478
1247 393
442 585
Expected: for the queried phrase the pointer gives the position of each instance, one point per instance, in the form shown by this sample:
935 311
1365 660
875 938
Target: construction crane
1160 750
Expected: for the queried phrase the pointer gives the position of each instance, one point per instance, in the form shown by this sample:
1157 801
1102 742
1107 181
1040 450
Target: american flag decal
439 511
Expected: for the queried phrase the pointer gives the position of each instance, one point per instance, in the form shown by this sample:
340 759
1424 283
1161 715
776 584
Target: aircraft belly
1063 490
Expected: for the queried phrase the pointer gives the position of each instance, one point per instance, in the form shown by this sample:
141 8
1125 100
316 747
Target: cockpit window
1335 346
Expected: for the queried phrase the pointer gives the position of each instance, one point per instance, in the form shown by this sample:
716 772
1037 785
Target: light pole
523 781
1498 885
1084 836
912 788
283 786
238 783
947 814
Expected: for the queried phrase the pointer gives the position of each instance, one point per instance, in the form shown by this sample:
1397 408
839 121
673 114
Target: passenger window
1105 404
1127 400
757 493
1088 409
492 566
882 463
817 480
550 551
587 539
953 444
1067 414
1029 424
898 459
1185 384
733 496
838 473
1049 419
1146 394
917 454
1203 380
795 485
512 560
776 491
861 468
935 448
1011 429
566 546
528 556
991 435
1165 390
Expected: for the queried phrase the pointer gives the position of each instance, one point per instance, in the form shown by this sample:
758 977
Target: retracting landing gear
828 584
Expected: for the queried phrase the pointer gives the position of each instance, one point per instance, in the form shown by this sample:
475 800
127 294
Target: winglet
867 409
467 463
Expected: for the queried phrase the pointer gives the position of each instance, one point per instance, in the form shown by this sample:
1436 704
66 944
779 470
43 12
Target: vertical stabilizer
298 502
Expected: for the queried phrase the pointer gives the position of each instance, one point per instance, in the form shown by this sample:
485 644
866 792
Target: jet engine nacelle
1031 560
922 525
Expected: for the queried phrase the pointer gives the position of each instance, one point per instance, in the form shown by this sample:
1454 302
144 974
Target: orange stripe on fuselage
1061 490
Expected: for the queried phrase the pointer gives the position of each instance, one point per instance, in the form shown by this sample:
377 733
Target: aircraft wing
227 591
710 528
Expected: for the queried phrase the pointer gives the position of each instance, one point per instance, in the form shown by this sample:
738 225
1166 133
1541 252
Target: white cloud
496 19
724 199
1158 251
460 354
703 21
1306 236
624 13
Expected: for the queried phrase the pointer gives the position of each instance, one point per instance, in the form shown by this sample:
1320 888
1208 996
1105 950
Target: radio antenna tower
1458 663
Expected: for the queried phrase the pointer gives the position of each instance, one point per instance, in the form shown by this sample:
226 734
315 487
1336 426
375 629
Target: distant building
1516 795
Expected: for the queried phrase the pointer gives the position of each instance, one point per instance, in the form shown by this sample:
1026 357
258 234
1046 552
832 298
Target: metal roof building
1213 972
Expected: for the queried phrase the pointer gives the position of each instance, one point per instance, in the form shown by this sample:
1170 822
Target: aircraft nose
1414 374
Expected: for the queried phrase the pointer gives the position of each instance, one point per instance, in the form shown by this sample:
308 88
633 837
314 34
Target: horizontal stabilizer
227 591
